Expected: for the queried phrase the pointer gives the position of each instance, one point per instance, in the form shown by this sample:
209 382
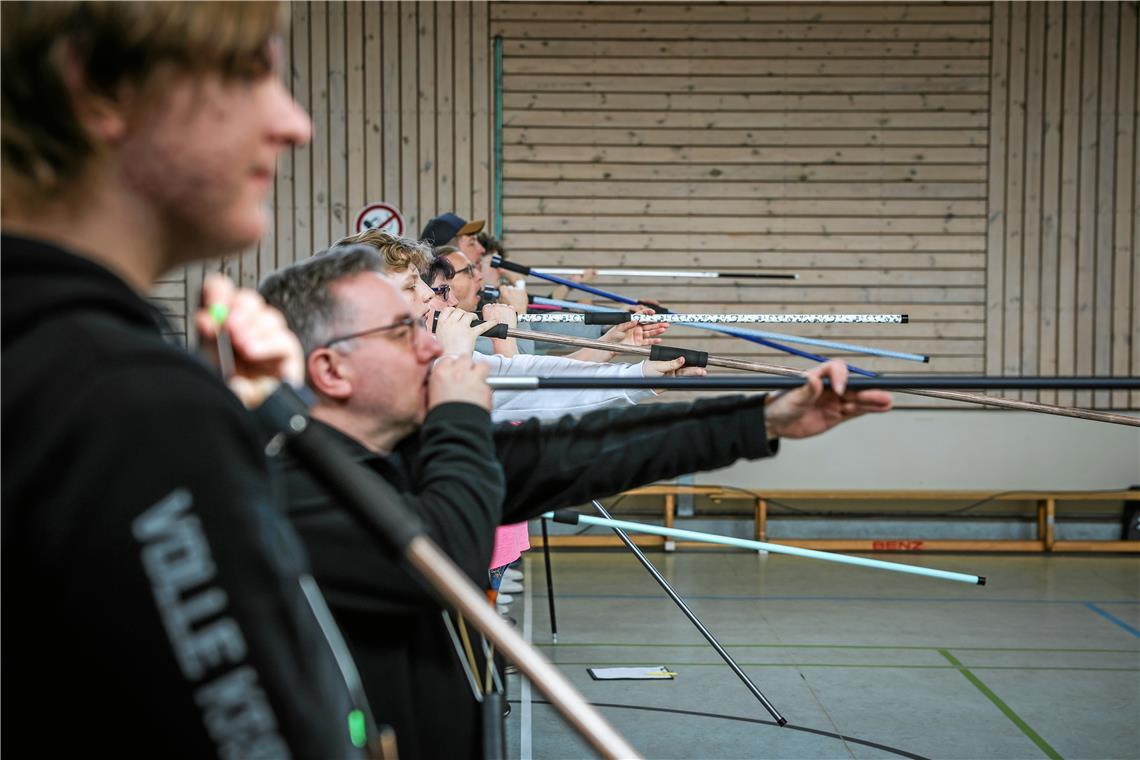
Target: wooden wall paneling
339 169
463 121
284 206
1105 197
374 84
322 128
1015 174
303 156
392 94
1125 310
357 117
445 108
545 29
1070 198
998 217
1052 84
750 13
1030 274
1129 15
427 87
716 149
482 97
1086 230
409 38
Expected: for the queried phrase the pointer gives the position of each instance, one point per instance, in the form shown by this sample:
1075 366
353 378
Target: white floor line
525 752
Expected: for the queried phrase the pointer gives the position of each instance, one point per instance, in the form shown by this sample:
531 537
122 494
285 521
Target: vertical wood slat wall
1063 261
399 95
972 164
846 143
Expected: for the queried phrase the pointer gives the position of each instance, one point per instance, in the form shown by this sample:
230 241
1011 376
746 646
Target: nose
427 346
289 123
425 293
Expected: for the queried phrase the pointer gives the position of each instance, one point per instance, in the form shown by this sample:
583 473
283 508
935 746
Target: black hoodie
151 601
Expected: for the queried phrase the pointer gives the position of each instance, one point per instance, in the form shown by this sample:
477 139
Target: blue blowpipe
748 333
752 338
574 518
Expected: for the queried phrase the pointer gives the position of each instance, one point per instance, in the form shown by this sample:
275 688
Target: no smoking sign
380 216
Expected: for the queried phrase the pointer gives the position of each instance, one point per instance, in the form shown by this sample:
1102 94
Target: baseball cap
441 229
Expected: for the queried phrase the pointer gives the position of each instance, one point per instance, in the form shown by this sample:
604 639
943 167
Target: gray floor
1042 662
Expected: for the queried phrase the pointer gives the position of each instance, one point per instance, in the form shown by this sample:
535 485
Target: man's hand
672 368
513 297
454 332
635 333
810 410
501 313
265 352
458 379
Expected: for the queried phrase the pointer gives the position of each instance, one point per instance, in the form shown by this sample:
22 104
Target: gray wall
950 450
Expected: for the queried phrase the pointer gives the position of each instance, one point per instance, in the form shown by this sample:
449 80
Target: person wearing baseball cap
450 229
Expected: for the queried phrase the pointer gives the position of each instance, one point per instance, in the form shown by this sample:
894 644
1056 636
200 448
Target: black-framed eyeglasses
469 269
409 322
443 291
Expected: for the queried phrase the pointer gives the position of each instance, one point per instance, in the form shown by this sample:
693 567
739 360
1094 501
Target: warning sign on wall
380 216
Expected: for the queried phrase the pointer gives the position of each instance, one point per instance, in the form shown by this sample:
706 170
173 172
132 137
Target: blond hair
399 253
112 44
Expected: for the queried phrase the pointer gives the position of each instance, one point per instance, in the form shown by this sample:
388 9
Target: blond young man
152 596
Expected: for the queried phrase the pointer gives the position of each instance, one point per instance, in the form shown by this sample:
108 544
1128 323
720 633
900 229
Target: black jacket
150 596
463 478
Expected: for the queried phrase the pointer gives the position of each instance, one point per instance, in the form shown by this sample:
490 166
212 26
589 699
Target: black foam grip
434 322
567 516
606 318
491 293
499 262
669 353
498 331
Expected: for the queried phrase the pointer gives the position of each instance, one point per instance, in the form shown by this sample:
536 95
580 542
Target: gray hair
303 291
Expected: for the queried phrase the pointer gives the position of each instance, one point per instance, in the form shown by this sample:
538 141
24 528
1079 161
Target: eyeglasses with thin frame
408 321
469 269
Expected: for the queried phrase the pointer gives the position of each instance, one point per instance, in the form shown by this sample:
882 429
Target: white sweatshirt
552 405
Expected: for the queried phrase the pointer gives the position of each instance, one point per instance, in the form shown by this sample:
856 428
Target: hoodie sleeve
572 461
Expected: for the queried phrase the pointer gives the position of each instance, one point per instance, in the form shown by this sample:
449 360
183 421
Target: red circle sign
380 216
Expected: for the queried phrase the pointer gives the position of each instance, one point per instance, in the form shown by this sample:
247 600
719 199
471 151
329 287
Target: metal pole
549 584
778 369
780 719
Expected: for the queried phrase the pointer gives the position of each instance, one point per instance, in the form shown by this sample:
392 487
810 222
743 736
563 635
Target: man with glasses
420 419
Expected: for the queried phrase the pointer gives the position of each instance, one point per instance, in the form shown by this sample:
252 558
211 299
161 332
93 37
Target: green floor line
1009 713
873 666
701 645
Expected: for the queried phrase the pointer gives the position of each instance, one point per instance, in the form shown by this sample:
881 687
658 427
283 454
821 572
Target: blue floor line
1113 619
891 599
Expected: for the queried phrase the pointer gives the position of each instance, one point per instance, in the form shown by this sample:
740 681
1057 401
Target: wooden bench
1044 542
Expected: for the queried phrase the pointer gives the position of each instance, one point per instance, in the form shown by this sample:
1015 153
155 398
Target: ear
329 374
104 118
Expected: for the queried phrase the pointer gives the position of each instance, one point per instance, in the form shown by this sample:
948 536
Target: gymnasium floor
1044 661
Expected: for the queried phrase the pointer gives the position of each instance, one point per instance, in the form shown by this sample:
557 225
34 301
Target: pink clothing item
510 542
